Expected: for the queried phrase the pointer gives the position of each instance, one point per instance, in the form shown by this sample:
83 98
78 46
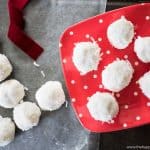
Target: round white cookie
117 75
50 96
86 56
103 106
142 48
120 33
5 67
11 93
26 115
7 131
144 83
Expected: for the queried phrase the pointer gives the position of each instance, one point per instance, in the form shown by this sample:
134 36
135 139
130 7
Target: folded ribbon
16 33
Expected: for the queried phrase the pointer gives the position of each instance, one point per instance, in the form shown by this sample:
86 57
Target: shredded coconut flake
36 64
43 74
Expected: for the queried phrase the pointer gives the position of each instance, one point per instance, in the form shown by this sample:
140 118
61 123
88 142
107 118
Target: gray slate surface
46 20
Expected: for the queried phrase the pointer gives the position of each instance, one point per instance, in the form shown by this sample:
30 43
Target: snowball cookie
5 67
144 83
120 33
142 48
117 75
7 131
50 96
86 56
11 93
103 106
26 115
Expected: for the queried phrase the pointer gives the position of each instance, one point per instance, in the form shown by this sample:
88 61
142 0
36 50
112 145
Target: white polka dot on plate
64 61
108 52
87 36
80 115
125 125
73 99
60 45
126 56
138 118
148 104
71 33
73 81
100 20
100 86
135 93
147 17
99 39
94 76
126 106
137 82
85 87
112 121
117 95
136 63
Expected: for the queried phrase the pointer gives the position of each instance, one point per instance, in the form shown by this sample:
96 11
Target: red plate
134 106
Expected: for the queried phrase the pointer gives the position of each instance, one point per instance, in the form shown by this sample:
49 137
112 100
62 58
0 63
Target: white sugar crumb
93 40
26 88
43 74
117 75
144 83
103 106
120 33
86 57
66 104
36 64
141 48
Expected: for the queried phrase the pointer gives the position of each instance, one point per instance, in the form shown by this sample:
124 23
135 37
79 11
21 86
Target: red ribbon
16 33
